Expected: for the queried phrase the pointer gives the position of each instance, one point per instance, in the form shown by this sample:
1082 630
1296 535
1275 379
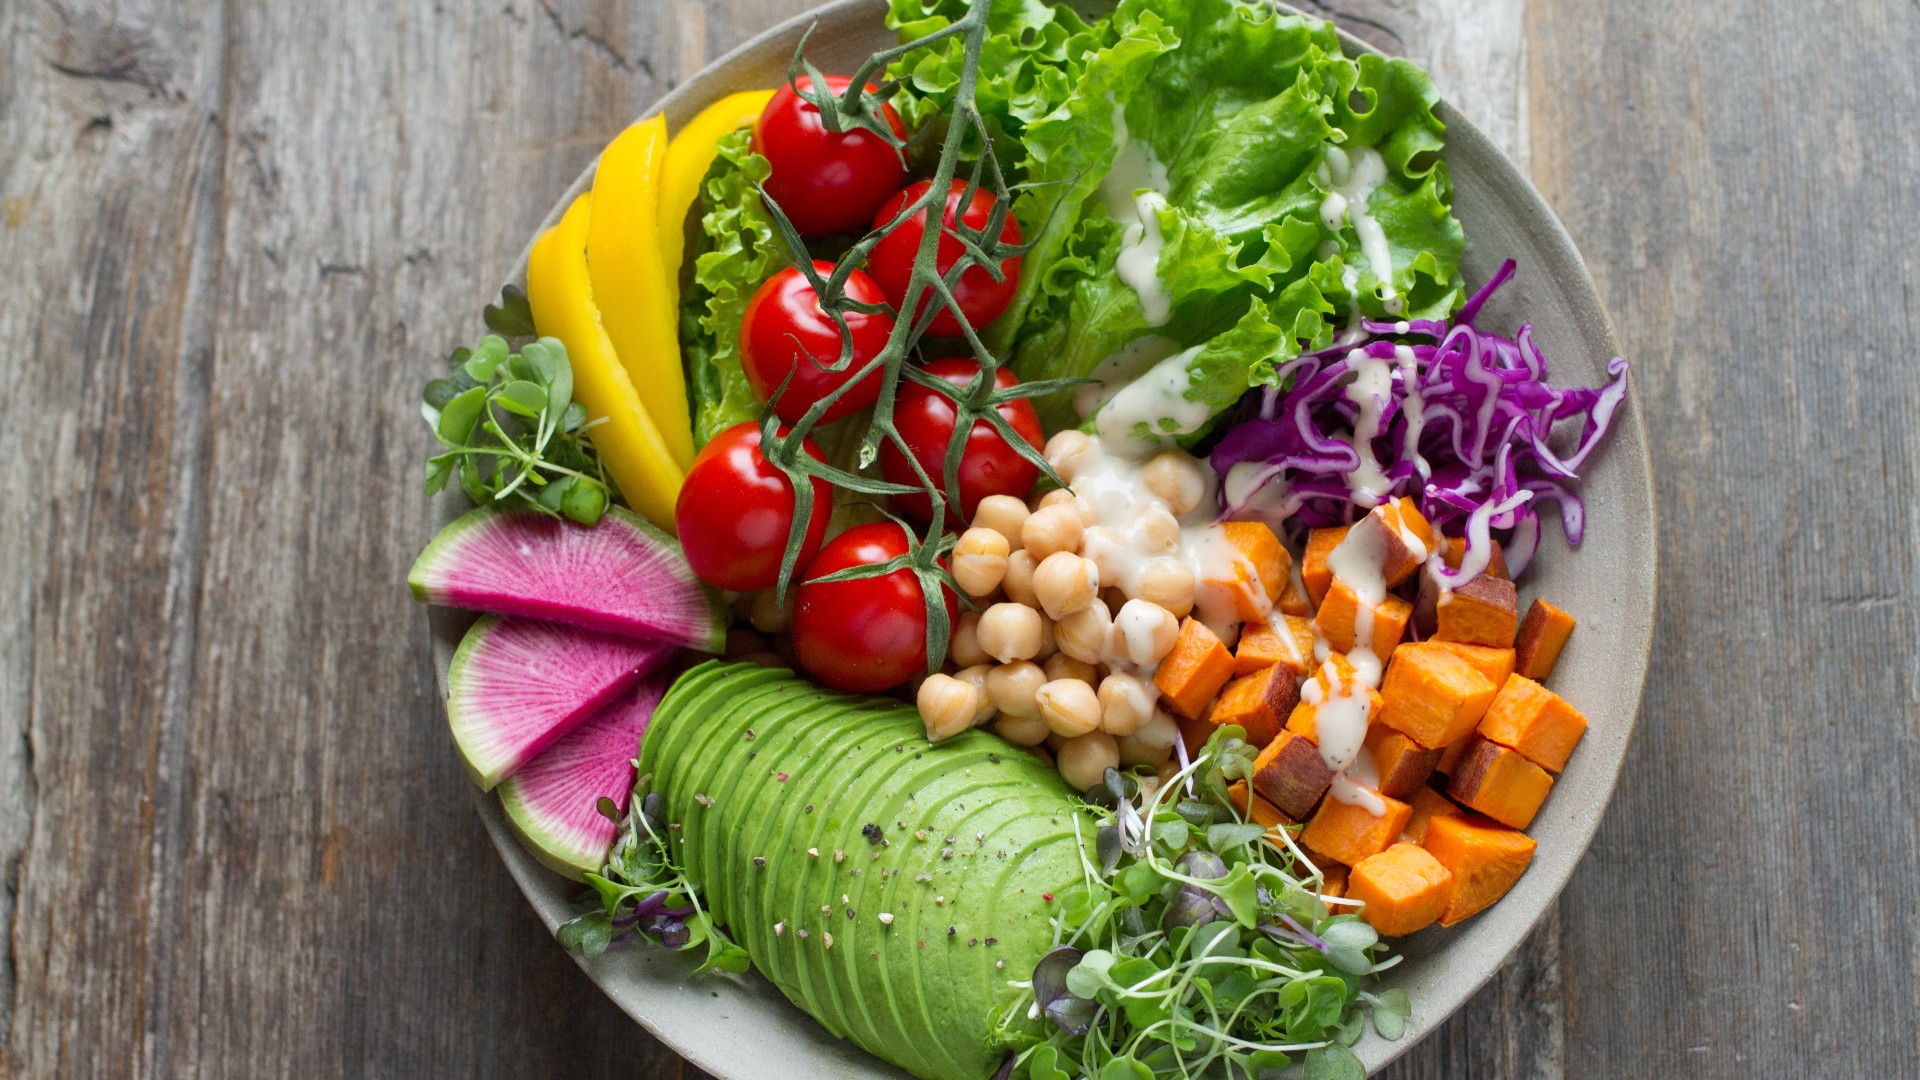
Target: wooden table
237 236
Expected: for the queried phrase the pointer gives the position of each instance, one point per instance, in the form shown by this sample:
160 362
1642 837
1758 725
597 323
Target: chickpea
1055 740
1003 514
976 677
1012 688
1064 583
1084 761
964 644
1010 632
1018 582
1158 531
947 706
1153 743
1168 583
1055 497
1071 451
1062 666
1126 703
1022 730
1085 634
1069 706
979 561
1052 528
1048 646
1144 632
1108 551
1176 478
769 616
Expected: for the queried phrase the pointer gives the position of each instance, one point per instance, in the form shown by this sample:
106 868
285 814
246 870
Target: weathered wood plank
1741 179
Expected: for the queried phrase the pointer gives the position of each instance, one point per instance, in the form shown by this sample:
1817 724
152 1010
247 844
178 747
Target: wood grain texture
234 841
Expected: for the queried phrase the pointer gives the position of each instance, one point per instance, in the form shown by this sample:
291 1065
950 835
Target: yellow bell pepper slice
630 282
689 156
561 293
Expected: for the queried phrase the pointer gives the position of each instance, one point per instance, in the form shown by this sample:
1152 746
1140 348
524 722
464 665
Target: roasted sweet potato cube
1252 580
1413 522
1454 548
1534 720
1404 889
1281 639
1314 572
1194 733
1543 633
1290 774
1484 857
1269 557
1339 620
1397 552
1403 764
1194 671
1293 598
1484 611
1450 755
1258 810
1335 680
1428 804
1499 783
1348 833
1333 880
1432 695
1495 664
1259 702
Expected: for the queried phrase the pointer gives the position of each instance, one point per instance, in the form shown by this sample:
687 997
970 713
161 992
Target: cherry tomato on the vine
981 298
824 182
866 634
736 508
988 466
784 331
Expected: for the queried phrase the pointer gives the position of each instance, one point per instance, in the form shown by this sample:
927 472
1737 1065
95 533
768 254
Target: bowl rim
1537 217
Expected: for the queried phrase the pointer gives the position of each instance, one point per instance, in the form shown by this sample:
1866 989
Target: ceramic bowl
745 1029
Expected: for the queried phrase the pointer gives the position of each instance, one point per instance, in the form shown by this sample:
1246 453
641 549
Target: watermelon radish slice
553 801
516 686
622 576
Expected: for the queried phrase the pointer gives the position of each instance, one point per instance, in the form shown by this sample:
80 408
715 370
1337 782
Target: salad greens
734 251
508 423
1195 942
1240 107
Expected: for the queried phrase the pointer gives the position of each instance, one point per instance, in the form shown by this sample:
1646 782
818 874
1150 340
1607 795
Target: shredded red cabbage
1462 416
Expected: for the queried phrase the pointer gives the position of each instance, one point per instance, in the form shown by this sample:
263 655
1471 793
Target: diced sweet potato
1484 611
1428 804
1495 664
1349 833
1543 633
1403 764
1195 670
1194 733
1534 720
1432 695
1404 888
1263 549
1253 580
1334 879
1290 775
1499 783
1484 858
1411 520
1293 598
1259 811
1283 639
1339 617
1400 552
1314 572
1454 548
1259 702
1450 755
1336 679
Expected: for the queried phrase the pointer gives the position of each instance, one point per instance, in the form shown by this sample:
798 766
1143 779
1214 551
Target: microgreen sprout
509 424
1197 943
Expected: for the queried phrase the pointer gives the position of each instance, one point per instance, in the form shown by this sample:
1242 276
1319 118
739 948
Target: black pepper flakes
951 931
749 734
995 758
993 941
872 833
759 860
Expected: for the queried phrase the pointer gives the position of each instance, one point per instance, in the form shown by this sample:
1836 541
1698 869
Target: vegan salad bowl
1128 631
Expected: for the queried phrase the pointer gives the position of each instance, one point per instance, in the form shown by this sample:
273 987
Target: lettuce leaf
737 249
1240 105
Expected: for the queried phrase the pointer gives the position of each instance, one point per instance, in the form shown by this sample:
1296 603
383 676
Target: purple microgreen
1071 1013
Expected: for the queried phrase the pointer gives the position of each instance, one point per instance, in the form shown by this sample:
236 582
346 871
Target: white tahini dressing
1133 360
1340 716
1351 179
1158 400
1370 390
1135 191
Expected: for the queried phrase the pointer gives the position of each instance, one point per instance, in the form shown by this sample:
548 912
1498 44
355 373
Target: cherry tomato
825 183
988 466
736 509
981 298
866 634
785 330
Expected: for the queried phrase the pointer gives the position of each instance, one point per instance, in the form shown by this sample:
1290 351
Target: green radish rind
933 1003
684 610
